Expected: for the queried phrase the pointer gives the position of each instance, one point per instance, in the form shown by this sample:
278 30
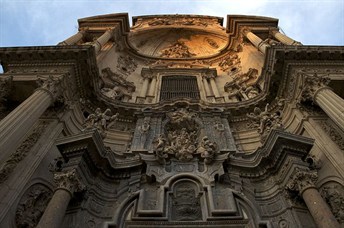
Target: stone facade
175 121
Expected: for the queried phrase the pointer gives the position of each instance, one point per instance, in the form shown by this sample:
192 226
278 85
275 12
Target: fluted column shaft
284 39
103 39
332 104
73 39
214 87
144 87
152 87
15 125
256 41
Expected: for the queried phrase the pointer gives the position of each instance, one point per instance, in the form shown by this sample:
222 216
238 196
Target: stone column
214 87
255 40
303 182
144 88
206 87
317 91
15 125
67 184
103 39
152 87
73 39
284 39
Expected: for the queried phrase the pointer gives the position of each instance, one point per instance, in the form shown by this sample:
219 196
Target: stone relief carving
230 63
301 180
69 180
267 120
50 84
32 205
177 50
22 151
334 196
186 204
204 22
241 86
116 86
333 133
311 85
126 65
100 121
5 88
181 139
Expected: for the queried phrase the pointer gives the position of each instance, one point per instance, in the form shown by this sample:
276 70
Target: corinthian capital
50 84
312 84
69 180
302 180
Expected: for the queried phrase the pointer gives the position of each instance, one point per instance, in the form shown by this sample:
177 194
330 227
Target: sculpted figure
207 149
261 117
100 120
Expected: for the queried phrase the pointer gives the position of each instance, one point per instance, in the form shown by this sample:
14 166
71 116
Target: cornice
81 57
89 146
106 21
269 158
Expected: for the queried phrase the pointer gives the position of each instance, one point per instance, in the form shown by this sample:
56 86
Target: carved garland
22 151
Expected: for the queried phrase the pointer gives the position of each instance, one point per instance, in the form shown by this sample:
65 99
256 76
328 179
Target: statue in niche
177 50
100 120
32 206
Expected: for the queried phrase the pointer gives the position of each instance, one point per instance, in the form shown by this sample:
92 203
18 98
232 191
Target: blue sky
37 22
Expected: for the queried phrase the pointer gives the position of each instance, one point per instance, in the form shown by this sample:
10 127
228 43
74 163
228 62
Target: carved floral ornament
69 180
177 50
301 180
182 139
311 85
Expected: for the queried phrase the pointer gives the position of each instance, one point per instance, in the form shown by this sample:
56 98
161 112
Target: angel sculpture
261 117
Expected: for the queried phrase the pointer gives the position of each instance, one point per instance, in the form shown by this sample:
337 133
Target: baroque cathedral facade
176 121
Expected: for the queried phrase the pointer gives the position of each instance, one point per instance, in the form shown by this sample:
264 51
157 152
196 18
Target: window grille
173 87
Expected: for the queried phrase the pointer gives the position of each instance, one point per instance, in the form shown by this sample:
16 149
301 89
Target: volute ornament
311 85
301 180
69 180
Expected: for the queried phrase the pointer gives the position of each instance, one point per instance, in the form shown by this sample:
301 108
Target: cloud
37 22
